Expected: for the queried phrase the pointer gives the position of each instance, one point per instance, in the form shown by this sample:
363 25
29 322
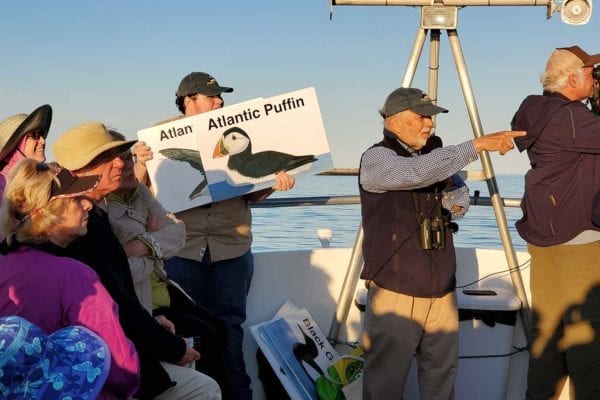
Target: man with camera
563 146
408 195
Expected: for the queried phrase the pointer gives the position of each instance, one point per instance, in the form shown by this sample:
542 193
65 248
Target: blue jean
222 288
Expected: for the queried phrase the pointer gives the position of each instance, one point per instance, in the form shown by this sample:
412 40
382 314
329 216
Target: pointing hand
501 142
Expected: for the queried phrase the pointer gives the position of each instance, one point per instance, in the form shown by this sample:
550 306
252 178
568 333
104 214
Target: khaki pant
565 289
398 326
191 385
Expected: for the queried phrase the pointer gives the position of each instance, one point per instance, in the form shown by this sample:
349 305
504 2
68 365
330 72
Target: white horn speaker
576 12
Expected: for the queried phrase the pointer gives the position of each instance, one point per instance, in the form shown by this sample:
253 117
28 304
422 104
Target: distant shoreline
354 172
341 172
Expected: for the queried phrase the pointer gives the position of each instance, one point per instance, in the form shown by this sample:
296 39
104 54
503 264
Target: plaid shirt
382 170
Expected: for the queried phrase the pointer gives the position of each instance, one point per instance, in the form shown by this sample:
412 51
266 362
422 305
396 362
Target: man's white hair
558 84
561 64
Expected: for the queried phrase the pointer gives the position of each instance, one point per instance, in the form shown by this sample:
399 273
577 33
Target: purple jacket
563 146
53 292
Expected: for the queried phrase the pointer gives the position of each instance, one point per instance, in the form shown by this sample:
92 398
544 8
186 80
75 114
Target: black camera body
595 99
596 73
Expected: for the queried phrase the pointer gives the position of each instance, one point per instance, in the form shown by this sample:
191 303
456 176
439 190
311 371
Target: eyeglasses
35 135
196 96
110 155
42 167
127 156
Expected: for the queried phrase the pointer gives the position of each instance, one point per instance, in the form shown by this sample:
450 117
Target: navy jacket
563 146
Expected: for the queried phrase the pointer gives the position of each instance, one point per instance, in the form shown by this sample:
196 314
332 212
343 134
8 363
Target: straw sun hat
13 128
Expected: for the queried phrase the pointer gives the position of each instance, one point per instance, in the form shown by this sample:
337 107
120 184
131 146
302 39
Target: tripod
353 273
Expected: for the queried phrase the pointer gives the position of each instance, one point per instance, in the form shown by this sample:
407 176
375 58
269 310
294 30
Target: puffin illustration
236 142
306 353
191 157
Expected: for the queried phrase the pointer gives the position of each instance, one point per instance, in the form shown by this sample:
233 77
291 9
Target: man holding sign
216 265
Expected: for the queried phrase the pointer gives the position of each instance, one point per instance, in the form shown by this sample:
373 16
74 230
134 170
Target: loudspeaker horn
576 12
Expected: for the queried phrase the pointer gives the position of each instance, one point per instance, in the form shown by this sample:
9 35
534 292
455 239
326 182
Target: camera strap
436 211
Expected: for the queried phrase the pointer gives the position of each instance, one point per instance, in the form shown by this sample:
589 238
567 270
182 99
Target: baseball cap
200 82
72 362
80 145
565 60
586 59
69 185
412 99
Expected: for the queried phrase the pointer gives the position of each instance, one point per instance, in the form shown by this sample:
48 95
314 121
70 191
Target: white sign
236 149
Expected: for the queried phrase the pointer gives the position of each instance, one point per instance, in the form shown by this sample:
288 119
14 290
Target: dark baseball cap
200 82
412 99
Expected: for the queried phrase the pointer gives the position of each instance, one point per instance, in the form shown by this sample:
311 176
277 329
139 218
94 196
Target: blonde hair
26 213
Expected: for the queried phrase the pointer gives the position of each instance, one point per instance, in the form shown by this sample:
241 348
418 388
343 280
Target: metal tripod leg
509 251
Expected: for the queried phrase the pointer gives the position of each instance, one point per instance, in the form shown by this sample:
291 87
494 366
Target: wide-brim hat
80 145
72 362
13 128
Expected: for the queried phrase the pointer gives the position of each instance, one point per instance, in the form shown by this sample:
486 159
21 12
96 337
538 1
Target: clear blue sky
120 62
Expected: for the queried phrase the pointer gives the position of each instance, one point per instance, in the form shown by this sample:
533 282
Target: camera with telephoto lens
596 73
433 231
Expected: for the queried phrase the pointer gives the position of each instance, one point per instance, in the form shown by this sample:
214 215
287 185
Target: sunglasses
35 135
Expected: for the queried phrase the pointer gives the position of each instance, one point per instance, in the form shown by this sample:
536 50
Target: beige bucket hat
13 128
80 145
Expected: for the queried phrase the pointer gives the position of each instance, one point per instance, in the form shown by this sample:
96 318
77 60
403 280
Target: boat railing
476 199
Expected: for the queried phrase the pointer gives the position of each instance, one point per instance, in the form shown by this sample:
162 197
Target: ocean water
295 228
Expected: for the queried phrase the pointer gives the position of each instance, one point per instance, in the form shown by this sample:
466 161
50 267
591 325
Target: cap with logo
412 99
200 82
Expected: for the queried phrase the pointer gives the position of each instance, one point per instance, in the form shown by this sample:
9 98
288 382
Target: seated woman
149 234
44 209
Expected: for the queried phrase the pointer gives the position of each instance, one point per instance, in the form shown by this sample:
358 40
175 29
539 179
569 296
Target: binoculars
432 233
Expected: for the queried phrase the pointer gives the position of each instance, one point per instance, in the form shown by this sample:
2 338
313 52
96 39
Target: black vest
393 257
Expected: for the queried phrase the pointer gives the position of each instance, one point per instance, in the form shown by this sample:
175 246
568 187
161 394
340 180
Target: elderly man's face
412 128
110 166
128 179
